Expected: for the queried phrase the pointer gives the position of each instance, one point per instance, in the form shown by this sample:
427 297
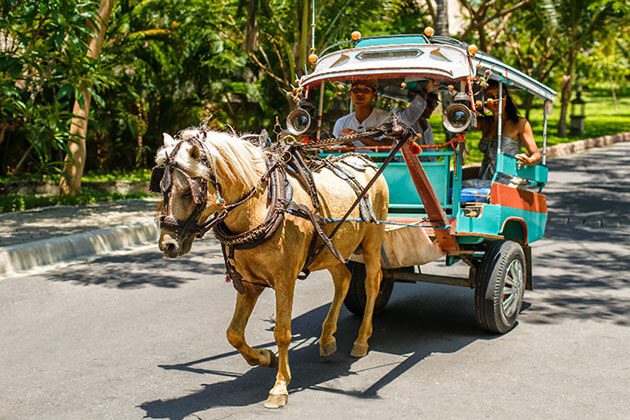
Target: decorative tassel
415 148
228 280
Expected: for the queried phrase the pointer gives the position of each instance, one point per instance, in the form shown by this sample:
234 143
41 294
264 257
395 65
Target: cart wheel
355 298
500 286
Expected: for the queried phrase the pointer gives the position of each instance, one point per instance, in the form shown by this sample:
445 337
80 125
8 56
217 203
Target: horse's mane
230 156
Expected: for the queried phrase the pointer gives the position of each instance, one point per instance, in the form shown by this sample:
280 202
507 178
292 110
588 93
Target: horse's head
188 172
186 180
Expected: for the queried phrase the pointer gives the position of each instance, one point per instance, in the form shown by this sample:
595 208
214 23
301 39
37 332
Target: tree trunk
567 86
74 163
441 21
251 28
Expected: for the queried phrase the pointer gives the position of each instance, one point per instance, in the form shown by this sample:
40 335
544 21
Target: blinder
156 178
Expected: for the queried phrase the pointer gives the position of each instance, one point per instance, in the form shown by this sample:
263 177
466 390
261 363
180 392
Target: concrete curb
566 149
28 255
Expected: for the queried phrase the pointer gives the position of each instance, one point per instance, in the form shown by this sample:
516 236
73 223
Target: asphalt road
134 335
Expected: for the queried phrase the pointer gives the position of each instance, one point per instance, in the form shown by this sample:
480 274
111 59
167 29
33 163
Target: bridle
162 182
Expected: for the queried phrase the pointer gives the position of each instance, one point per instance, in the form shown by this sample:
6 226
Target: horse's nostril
170 247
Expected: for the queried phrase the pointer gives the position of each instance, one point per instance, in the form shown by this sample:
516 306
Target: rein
279 158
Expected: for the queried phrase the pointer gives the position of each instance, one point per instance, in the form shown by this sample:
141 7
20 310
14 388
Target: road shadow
146 268
415 325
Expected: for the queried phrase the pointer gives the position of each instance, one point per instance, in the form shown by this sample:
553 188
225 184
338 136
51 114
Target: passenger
516 132
365 116
427 133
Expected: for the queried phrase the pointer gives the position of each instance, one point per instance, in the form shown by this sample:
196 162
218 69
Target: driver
365 117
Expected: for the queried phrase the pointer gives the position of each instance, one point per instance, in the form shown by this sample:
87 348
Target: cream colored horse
238 165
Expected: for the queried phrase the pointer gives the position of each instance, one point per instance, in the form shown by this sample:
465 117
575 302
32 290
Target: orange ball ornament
472 49
312 58
356 35
428 31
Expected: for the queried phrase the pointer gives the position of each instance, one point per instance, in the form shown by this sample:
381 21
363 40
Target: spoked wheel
500 286
356 297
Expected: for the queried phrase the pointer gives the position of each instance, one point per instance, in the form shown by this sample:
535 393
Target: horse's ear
168 140
195 153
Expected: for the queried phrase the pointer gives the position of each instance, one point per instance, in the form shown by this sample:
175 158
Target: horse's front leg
341 278
279 395
245 303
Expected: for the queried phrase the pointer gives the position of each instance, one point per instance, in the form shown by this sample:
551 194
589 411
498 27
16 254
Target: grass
90 176
14 202
601 120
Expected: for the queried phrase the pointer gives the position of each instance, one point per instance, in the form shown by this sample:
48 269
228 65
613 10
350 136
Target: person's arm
527 138
413 111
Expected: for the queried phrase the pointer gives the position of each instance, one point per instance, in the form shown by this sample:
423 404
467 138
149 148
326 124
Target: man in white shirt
365 117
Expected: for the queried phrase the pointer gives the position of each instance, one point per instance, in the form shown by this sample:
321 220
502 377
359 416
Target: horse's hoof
359 350
276 400
329 349
269 359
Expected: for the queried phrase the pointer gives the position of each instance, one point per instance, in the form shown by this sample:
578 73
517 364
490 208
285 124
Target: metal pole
544 152
313 27
500 123
320 111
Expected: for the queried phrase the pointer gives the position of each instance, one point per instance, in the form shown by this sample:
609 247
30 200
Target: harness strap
365 207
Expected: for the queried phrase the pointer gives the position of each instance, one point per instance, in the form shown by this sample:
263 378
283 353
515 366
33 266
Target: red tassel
415 148
228 279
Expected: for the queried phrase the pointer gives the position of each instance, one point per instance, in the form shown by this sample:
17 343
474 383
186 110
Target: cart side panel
493 219
403 196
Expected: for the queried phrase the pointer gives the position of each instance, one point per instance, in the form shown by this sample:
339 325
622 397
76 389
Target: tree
579 22
75 160
489 20
42 59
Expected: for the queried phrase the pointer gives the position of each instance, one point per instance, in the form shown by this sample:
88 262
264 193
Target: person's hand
432 85
348 132
524 160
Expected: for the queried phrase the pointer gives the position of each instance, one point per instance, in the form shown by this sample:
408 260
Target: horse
214 173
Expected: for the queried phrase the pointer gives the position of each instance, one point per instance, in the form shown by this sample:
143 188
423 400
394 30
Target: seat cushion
475 195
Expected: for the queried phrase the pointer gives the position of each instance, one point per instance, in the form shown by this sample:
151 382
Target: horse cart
300 203
431 215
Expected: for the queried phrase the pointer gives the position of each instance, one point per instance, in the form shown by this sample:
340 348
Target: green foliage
42 66
169 64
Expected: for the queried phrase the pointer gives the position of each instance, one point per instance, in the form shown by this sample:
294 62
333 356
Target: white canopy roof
397 59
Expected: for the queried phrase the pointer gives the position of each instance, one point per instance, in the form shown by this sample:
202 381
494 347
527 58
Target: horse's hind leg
372 257
245 303
341 279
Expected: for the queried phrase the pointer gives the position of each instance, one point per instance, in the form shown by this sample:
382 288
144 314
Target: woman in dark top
516 132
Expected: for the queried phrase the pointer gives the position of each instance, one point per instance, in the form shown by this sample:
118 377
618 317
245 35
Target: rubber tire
490 279
355 298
